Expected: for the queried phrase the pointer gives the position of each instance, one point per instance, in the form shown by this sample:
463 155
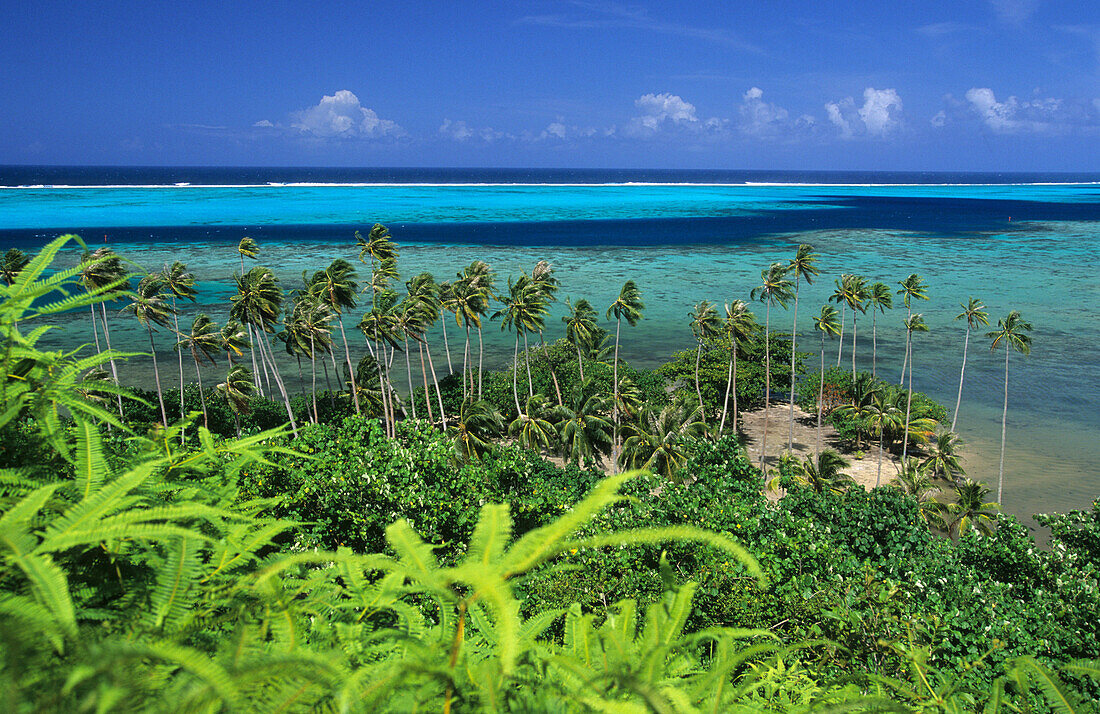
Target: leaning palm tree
236 389
12 264
628 306
659 440
257 304
851 292
914 323
103 271
825 324
839 297
542 277
825 473
180 284
482 280
149 307
247 248
912 288
580 327
203 342
739 323
774 288
234 340
942 457
407 324
1011 332
704 325
309 329
975 314
379 327
464 301
533 428
474 427
336 287
970 511
879 299
801 268
423 292
521 312
913 481
583 432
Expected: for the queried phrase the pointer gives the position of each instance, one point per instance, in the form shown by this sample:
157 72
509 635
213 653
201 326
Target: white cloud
879 110
263 123
659 108
759 117
342 116
1014 11
877 116
553 129
940 119
835 111
457 130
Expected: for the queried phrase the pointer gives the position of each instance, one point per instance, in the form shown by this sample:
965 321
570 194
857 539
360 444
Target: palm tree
309 329
103 271
180 284
406 324
237 388
444 298
739 323
522 312
482 280
774 288
580 327
583 431
970 511
424 293
247 248
379 327
913 481
659 439
912 288
975 314
826 324
704 325
532 428
257 304
882 418
942 457
913 323
204 341
840 298
880 300
1012 333
542 277
476 423
628 306
12 265
864 389
802 268
148 305
336 287
851 292
824 473
234 340
464 301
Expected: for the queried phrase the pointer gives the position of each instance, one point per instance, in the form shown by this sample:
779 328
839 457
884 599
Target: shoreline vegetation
315 538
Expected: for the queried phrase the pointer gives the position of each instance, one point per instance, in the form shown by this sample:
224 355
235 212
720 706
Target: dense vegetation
355 562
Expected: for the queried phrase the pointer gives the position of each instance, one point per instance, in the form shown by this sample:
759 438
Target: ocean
1027 242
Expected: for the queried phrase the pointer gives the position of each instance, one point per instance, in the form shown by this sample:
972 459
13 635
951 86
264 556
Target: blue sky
961 85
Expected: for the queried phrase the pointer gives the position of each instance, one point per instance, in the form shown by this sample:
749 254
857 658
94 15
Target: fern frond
491 535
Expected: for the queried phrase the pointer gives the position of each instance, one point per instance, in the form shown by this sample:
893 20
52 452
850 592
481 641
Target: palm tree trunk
615 403
107 341
313 375
467 379
908 336
252 352
794 338
480 357
874 344
156 376
767 381
840 347
854 314
878 475
908 397
176 320
1004 425
351 370
409 369
726 401
265 343
550 366
820 396
95 330
515 376
447 346
424 374
202 397
580 362
438 394
382 387
962 373
527 364
698 391
735 386
336 371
